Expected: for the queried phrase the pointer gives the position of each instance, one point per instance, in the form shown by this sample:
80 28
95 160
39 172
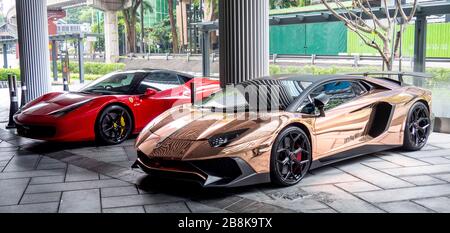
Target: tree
277 4
385 30
173 27
130 16
144 6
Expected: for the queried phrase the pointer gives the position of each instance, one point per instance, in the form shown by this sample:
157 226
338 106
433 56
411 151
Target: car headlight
221 140
67 109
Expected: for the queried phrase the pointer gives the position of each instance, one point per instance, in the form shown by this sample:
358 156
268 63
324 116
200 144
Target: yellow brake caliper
122 124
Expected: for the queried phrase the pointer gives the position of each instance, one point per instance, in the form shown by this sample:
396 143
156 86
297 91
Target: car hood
55 101
197 125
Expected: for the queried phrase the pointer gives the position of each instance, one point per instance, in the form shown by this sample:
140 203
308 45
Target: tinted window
164 78
184 79
256 95
159 82
339 92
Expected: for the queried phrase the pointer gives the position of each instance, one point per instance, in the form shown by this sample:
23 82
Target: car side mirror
150 92
309 109
320 101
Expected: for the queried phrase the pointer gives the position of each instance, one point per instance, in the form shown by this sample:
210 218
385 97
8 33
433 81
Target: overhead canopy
423 9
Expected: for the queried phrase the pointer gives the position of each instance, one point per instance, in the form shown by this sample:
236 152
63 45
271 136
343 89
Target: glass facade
159 12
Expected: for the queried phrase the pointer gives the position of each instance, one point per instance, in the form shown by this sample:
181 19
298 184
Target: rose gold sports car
275 129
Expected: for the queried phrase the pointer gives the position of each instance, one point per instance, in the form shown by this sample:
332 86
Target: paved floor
42 177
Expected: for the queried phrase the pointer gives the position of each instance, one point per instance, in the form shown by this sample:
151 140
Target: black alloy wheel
291 157
418 127
114 125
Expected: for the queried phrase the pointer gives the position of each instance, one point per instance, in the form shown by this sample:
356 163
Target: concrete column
420 43
5 55
81 59
244 40
32 30
111 37
205 44
55 60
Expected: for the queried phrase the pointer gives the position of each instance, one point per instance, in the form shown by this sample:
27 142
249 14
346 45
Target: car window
159 82
111 84
340 92
184 79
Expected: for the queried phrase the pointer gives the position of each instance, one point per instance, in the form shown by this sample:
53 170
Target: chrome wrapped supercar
275 129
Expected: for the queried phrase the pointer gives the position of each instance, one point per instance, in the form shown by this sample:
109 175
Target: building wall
159 13
438 44
307 39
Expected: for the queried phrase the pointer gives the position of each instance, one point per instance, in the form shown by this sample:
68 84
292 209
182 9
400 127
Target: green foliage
440 75
79 15
279 4
160 34
94 68
4 73
317 70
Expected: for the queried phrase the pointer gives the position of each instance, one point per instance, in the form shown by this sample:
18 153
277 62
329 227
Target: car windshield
256 95
115 83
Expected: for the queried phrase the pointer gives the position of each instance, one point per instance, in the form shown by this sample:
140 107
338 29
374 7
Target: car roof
149 70
309 78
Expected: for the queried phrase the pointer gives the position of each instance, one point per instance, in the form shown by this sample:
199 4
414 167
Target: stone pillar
420 43
32 30
111 37
244 40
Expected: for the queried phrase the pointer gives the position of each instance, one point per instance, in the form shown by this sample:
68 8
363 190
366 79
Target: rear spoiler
389 75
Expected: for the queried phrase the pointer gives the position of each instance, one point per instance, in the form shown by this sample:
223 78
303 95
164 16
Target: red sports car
109 109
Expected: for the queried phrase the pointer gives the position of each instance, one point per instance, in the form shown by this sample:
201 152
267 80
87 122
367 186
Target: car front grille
34 131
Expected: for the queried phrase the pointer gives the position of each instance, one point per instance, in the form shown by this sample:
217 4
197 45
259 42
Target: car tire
114 125
291 157
417 127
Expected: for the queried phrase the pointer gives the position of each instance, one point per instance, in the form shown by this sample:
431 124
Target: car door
346 116
150 107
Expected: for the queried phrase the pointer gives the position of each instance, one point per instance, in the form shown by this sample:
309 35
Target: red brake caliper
299 156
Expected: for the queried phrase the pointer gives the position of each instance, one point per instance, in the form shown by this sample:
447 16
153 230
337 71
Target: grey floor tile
134 200
374 176
436 160
381 164
47 179
34 173
80 174
40 197
422 170
71 186
357 186
11 190
340 200
22 163
177 207
81 201
31 208
119 191
402 160
403 194
404 207
125 210
422 180
196 207
439 204
445 177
